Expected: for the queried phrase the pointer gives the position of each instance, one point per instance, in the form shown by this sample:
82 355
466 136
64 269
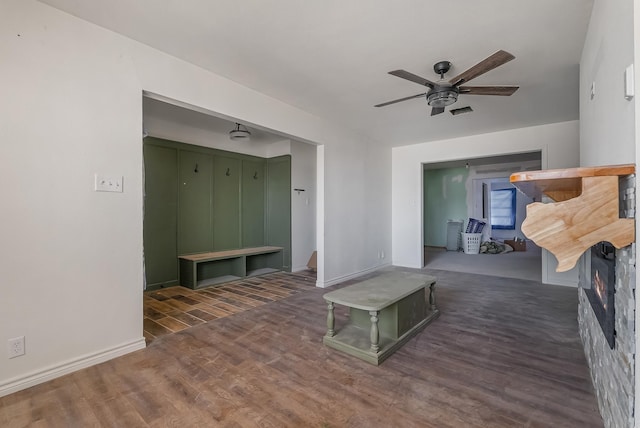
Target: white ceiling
331 57
160 116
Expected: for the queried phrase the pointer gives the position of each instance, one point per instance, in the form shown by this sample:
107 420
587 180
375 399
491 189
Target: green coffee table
384 313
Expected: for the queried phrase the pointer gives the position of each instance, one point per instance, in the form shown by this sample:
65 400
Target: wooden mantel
585 212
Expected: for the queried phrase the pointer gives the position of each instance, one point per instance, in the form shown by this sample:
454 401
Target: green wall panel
226 203
445 197
195 229
253 202
279 205
160 214
199 199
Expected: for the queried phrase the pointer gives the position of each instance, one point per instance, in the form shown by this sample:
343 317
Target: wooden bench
384 313
204 269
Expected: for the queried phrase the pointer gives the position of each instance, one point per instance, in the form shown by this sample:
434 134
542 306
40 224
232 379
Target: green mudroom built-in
203 200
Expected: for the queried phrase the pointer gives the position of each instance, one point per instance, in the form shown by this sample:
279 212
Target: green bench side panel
278 214
160 216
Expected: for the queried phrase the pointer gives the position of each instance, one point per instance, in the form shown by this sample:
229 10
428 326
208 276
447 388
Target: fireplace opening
601 293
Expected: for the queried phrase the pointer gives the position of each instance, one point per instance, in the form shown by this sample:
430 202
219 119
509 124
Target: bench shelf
206 269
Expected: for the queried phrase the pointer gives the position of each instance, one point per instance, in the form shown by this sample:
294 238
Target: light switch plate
108 183
629 90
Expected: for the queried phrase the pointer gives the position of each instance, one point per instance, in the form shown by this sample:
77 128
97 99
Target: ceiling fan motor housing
442 68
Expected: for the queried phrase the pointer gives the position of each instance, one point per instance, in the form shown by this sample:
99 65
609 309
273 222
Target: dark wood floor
504 353
173 309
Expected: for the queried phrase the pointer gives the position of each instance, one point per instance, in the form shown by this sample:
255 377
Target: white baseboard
34 378
340 279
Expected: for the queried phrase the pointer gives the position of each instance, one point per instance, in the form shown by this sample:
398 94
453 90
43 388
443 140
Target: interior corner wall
445 198
71 108
634 284
356 198
558 143
303 204
279 148
608 136
607 120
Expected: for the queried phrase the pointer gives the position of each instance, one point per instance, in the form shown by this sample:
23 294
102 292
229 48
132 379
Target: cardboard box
516 245
313 261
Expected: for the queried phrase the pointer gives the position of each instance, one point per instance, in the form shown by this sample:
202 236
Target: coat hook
228 173
196 169
255 175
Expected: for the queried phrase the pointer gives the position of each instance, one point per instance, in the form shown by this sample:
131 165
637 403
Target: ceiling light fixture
442 96
240 134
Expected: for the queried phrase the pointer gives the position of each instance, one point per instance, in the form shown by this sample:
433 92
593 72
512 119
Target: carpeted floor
517 264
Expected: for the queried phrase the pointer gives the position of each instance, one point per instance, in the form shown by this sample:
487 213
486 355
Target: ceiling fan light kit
444 93
240 134
442 97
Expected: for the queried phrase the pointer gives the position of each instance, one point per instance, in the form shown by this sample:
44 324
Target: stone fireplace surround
612 370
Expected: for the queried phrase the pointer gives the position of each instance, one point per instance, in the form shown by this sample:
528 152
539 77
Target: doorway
201 131
457 191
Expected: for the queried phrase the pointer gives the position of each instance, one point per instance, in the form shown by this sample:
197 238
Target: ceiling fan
443 93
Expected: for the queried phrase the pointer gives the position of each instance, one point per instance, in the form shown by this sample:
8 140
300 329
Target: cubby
206 269
200 200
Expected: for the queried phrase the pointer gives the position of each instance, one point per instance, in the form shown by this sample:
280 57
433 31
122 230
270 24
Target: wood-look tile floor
503 353
173 309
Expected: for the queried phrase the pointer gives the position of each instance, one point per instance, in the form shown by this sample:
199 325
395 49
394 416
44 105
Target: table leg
375 335
432 296
330 321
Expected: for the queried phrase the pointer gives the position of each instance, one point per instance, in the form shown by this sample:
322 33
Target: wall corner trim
343 278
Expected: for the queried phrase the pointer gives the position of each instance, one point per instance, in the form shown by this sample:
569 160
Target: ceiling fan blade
488 90
400 99
412 77
437 110
487 64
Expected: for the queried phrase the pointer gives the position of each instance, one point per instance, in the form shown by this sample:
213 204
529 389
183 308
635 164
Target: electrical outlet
16 347
106 183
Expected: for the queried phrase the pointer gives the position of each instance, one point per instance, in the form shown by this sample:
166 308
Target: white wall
72 258
636 124
303 204
607 131
357 188
279 148
608 121
557 142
